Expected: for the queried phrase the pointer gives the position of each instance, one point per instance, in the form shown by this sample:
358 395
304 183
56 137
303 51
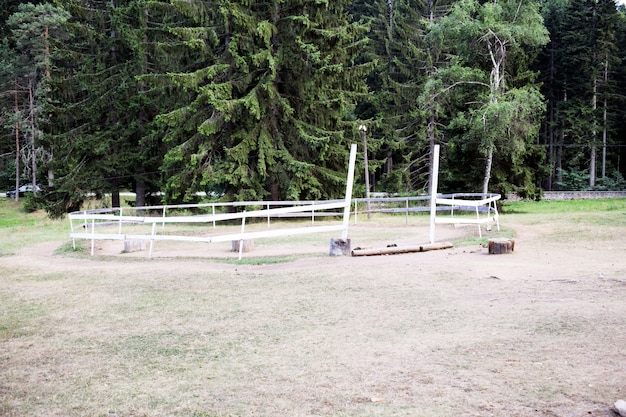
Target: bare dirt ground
455 332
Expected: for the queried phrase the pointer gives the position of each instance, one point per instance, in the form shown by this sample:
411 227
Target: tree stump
134 246
339 247
501 246
246 245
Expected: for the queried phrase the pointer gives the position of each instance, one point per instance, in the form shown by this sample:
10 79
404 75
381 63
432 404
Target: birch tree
501 38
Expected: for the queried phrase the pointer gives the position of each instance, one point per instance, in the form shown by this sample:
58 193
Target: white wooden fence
477 203
122 223
97 224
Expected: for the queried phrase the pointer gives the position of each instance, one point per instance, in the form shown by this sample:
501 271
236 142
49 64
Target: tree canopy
260 100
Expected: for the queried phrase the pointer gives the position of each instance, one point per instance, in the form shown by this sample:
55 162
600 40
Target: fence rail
114 223
477 203
83 224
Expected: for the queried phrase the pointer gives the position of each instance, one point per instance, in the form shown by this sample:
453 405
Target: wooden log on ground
393 250
436 246
339 247
500 246
246 245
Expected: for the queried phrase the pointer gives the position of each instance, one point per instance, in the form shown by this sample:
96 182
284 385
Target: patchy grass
537 333
20 229
260 261
546 207
69 248
505 232
18 316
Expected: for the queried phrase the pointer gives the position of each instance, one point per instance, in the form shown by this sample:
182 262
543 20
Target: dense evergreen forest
251 100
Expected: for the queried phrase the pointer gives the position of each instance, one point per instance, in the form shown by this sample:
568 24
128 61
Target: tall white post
433 192
363 130
348 200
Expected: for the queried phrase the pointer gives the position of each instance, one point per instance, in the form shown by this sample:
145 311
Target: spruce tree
268 115
101 110
391 111
549 63
589 104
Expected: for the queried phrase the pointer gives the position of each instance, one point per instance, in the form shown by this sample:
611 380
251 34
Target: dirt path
540 332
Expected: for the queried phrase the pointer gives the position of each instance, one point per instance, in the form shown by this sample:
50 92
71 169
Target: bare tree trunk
431 117
33 154
594 134
487 171
390 18
115 193
17 146
559 150
140 194
430 129
605 118
550 126
497 53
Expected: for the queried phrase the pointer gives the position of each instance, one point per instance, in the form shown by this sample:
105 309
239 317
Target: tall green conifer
588 106
268 116
100 111
392 108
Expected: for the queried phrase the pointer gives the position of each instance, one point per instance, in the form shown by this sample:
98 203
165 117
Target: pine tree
268 116
33 29
111 142
589 60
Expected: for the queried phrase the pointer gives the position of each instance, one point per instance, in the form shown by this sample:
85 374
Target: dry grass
454 332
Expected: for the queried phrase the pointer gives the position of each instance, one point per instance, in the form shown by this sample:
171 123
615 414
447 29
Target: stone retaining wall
574 195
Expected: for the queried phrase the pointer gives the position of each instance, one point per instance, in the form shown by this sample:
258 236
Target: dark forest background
259 100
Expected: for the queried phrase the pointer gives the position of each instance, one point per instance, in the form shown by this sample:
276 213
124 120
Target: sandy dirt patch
190 332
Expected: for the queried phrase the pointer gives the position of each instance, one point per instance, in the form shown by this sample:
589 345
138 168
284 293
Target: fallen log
393 250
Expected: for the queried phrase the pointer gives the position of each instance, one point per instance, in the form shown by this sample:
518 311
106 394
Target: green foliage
577 180
102 110
584 88
500 125
251 100
613 182
265 114
33 26
31 203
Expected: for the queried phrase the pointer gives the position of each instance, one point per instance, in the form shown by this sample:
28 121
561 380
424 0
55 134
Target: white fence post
243 230
93 231
433 192
348 198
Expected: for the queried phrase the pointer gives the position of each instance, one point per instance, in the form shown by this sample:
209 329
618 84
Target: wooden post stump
501 246
339 247
246 245
134 246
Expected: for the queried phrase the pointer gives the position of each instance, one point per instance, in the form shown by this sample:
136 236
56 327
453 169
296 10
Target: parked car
28 188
